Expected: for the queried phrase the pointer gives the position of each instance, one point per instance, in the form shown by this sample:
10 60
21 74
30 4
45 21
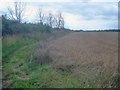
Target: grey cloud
92 10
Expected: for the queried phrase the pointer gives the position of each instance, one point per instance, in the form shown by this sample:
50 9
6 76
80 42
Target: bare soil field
86 53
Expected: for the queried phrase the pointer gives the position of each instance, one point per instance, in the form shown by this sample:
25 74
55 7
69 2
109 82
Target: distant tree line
106 30
12 23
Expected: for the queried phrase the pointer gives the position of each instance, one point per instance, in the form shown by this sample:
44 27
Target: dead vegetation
64 68
89 54
42 59
91 47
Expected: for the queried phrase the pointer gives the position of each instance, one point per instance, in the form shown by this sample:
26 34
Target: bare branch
60 20
41 16
50 19
17 12
11 13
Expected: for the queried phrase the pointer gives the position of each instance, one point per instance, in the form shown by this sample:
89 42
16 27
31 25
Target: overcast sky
78 14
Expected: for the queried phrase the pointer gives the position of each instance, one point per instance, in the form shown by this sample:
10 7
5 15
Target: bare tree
17 13
50 19
60 21
54 21
41 16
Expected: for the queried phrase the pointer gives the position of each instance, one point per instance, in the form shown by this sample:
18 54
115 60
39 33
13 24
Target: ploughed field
62 59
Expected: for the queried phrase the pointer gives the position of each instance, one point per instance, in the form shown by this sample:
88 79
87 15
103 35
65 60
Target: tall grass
28 63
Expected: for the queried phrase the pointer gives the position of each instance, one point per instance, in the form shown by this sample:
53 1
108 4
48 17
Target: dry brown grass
90 49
